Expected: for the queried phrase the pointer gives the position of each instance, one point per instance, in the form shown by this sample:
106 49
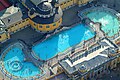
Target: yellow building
11 22
47 17
3 34
64 4
43 16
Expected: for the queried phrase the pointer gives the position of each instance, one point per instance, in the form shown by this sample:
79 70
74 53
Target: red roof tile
4 4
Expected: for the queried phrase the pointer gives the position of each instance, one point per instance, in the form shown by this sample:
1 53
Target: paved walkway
1 75
70 15
28 35
61 76
114 4
98 30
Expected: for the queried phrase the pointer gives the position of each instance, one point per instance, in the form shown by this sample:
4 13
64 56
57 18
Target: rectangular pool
62 41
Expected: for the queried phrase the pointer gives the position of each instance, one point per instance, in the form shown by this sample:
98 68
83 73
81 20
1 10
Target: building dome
45 16
47 13
46 6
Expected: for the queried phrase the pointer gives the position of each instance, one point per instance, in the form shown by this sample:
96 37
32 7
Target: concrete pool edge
64 28
22 46
8 74
68 49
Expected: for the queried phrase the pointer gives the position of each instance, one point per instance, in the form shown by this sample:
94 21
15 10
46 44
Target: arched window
54 24
47 26
40 26
34 24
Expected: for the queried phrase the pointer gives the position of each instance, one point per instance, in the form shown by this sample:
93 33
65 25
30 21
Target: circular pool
15 66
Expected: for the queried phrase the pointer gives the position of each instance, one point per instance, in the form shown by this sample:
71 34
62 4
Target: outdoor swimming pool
15 64
110 23
62 41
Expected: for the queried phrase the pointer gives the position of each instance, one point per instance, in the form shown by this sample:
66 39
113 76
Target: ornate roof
47 12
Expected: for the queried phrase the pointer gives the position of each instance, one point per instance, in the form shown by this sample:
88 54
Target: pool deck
68 20
3 77
29 57
33 36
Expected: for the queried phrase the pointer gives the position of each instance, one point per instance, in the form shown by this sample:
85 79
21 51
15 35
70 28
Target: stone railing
115 36
77 48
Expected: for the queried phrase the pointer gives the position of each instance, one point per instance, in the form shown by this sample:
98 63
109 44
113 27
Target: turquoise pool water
14 64
62 41
110 23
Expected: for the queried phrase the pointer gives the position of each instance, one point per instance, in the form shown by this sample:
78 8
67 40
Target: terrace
99 54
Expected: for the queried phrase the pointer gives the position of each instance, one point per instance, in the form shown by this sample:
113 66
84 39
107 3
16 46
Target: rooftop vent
83 68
